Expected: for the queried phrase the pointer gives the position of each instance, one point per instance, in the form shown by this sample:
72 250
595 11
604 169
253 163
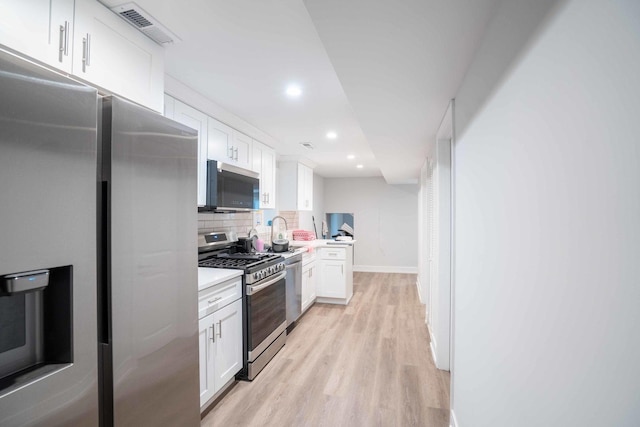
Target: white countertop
208 277
298 250
321 243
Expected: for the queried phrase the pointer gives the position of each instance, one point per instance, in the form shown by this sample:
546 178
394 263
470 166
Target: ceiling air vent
136 16
307 145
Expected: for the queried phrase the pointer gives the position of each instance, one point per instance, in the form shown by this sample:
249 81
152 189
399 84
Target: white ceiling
379 73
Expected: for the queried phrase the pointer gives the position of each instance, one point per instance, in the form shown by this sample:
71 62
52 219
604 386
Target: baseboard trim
385 269
453 422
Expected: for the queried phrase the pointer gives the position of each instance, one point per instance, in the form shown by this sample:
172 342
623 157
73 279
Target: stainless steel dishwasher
294 289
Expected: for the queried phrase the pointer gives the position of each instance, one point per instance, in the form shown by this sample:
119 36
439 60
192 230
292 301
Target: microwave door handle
255 289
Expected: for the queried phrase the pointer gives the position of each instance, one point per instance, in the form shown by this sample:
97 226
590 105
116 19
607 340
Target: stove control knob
255 276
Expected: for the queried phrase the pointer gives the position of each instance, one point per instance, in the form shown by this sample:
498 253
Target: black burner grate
237 261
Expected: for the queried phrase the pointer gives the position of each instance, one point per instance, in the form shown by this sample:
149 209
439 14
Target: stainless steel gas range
264 296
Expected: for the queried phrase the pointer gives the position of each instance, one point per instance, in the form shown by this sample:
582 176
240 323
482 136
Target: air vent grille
147 24
135 18
307 145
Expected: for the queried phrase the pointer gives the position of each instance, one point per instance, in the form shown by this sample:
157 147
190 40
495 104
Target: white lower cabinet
308 284
220 344
335 274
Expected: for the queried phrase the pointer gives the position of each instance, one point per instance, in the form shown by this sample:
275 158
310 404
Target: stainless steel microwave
230 188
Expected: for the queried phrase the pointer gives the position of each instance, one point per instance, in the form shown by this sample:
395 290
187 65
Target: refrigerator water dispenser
35 325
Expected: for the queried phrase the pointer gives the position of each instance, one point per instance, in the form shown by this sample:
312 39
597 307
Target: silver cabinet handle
211 301
86 52
342 269
236 157
63 47
220 329
61 42
231 151
66 38
213 334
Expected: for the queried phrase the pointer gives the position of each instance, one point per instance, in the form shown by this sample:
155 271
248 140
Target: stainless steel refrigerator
98 278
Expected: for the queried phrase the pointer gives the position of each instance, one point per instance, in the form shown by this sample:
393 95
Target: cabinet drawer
333 253
218 296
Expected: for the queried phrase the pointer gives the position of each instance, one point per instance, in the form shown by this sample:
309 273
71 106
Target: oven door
266 313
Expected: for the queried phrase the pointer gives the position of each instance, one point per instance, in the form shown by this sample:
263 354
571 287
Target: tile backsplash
292 218
240 222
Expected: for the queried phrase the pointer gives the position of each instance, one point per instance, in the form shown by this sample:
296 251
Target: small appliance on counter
280 244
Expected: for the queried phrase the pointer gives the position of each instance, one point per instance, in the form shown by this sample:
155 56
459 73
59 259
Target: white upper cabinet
41 29
112 54
197 120
86 39
242 150
228 145
264 163
305 188
220 143
295 186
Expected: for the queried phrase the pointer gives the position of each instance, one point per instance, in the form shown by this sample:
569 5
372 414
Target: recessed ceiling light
359 166
294 91
332 135
351 157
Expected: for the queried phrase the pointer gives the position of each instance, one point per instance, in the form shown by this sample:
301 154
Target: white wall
547 220
385 221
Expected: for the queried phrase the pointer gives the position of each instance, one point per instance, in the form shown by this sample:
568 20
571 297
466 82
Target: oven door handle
254 289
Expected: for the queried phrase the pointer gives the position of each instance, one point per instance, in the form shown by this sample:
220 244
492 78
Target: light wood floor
366 364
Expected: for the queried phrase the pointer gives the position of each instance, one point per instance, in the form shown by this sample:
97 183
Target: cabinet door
112 54
264 162
331 283
305 288
242 150
41 29
197 120
308 188
220 141
302 201
305 188
269 173
308 285
206 348
256 159
228 330
312 283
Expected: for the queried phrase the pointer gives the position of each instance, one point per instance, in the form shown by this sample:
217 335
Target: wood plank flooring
366 364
